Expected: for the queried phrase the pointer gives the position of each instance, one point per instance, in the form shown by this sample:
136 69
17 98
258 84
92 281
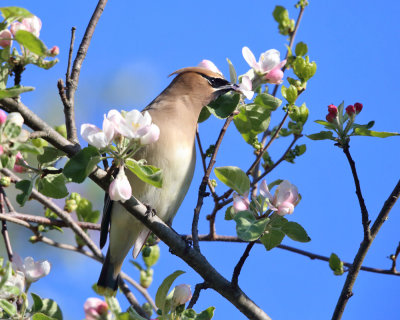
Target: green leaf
336 264
206 314
26 187
272 238
234 178
301 49
369 125
268 101
41 316
6 274
232 72
204 115
137 265
31 42
162 291
151 258
25 147
113 304
50 156
146 173
290 94
85 212
323 135
280 14
8 307
326 124
133 315
14 91
224 105
47 307
247 227
377 134
252 120
82 164
4 68
53 186
295 232
14 13
229 213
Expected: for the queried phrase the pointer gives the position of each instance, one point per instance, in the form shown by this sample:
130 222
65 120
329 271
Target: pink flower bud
332 109
55 51
350 110
330 117
95 308
1 150
5 38
18 168
241 203
120 188
3 117
182 294
358 107
275 76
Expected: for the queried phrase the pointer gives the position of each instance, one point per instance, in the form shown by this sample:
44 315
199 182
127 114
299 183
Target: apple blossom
246 87
5 38
268 60
3 117
149 134
120 188
286 197
32 270
182 294
207 64
95 308
241 203
332 109
330 117
16 118
16 280
275 76
15 26
97 137
133 121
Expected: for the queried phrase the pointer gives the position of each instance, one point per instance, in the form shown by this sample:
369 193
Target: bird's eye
216 82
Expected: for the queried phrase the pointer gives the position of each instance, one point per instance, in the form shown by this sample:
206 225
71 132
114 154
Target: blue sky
137 44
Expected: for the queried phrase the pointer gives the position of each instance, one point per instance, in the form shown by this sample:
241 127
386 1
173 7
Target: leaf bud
5 181
153 256
146 278
70 206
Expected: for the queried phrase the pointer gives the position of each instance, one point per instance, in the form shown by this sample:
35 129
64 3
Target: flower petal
269 60
250 58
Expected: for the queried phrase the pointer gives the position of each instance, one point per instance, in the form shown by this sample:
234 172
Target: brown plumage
175 111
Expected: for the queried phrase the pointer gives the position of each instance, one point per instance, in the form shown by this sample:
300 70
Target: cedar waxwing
175 111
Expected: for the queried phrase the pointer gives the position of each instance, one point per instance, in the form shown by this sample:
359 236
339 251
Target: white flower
16 118
97 137
120 188
32 270
241 203
246 87
182 294
132 123
32 24
149 134
286 197
16 280
207 64
268 60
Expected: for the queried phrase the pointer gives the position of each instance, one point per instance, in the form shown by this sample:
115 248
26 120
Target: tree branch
196 293
4 230
239 266
394 257
362 252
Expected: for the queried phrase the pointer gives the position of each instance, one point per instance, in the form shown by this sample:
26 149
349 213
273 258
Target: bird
175 111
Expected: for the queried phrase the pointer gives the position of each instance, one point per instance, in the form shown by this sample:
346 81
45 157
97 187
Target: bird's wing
105 220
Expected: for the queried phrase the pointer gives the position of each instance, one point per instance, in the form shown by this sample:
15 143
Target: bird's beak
230 87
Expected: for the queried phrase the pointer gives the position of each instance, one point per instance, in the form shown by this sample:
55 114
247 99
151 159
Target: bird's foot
150 212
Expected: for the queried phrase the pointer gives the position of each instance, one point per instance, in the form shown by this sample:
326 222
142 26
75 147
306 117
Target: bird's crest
200 70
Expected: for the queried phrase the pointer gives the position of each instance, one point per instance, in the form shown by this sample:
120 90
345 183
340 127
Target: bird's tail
108 281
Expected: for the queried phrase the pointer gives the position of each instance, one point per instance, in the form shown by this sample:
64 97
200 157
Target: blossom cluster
129 131
351 111
268 69
32 24
285 198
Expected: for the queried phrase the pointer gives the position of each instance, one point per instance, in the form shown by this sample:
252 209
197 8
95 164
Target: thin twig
4 230
364 211
394 257
131 298
362 252
239 266
71 50
203 184
196 293
141 289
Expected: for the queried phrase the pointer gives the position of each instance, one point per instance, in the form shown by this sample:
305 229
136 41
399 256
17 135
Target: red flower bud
330 117
332 109
350 110
358 107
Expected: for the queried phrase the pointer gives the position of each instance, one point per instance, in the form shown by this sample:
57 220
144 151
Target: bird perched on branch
175 111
